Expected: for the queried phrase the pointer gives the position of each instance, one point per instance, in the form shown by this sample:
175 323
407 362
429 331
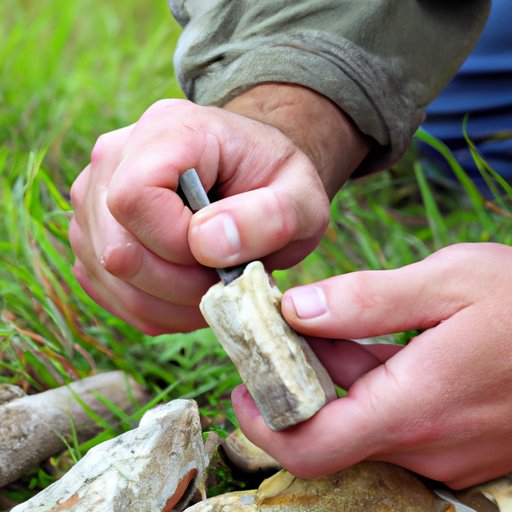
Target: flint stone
153 468
368 486
282 373
34 427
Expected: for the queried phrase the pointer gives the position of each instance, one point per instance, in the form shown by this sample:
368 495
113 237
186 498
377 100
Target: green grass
73 70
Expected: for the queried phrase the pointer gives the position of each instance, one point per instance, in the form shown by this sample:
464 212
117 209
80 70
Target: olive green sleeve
380 61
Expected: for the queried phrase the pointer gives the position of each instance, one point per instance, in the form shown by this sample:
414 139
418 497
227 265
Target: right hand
139 250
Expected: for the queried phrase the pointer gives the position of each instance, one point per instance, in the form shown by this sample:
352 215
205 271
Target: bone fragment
33 427
153 468
283 375
246 456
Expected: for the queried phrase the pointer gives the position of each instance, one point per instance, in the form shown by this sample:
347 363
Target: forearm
380 62
315 124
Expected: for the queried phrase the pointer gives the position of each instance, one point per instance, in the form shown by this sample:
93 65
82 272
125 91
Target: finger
346 430
431 407
285 199
142 195
385 412
88 196
324 443
112 247
346 360
132 263
231 231
106 154
285 219
145 312
154 214
371 303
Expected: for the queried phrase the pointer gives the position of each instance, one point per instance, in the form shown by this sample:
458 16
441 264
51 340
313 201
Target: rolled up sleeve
382 62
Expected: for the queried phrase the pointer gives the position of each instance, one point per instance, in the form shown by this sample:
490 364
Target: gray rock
153 468
10 392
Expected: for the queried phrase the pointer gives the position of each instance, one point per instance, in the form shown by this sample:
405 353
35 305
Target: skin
273 157
137 246
441 406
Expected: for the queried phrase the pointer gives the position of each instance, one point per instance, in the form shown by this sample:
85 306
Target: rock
34 427
153 468
246 456
368 486
238 501
467 500
10 392
283 375
499 491
221 476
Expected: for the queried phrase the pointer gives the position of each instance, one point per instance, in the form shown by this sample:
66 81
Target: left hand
442 405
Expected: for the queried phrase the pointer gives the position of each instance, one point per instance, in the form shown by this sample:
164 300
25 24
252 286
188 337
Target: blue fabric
482 88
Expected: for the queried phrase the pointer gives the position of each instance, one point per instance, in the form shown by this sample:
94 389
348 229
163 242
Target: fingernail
308 301
220 238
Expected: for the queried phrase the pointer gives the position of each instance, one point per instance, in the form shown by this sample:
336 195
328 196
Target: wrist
315 124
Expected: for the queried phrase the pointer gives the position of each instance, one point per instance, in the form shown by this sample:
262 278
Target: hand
441 406
138 247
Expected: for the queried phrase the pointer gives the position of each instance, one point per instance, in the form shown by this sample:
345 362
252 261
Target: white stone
153 468
283 375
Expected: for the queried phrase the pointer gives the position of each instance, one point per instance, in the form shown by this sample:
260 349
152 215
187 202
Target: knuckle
120 200
122 261
109 145
163 106
74 235
78 189
360 286
324 215
452 255
100 148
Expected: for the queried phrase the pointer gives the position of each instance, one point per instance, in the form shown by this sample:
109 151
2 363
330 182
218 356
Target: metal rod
193 190
197 198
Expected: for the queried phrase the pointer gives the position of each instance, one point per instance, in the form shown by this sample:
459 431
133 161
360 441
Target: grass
73 70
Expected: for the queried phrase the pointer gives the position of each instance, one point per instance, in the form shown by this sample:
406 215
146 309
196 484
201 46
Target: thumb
285 219
242 227
372 303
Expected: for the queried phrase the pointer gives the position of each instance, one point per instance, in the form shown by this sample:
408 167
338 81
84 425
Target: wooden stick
34 427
